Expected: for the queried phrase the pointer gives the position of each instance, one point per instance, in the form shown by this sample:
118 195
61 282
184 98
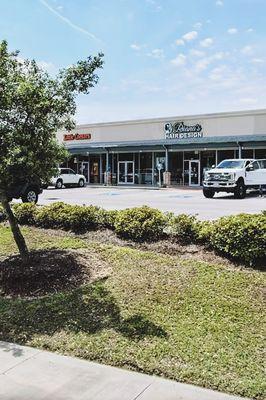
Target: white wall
224 124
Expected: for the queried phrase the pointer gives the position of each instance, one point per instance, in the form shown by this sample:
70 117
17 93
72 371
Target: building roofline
175 118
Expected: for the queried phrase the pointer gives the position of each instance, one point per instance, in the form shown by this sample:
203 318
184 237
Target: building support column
166 174
239 150
107 174
152 171
101 169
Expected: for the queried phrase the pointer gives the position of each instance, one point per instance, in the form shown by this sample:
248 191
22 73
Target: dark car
28 192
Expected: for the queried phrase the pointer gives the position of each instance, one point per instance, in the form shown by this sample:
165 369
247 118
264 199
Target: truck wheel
81 183
208 193
30 196
240 190
59 184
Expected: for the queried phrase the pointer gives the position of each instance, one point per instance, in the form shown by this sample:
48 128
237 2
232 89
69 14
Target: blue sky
162 57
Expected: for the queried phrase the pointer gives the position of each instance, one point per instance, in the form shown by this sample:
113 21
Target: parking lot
189 201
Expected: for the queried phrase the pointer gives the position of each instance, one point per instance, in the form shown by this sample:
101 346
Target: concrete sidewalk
31 374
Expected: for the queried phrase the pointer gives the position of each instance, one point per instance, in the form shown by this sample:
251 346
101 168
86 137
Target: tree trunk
19 239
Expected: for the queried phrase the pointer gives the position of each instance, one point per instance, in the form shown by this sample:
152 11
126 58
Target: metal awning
211 142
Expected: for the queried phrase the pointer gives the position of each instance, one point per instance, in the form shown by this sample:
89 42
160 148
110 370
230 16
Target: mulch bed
49 271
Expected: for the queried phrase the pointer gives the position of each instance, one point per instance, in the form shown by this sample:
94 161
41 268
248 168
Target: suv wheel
81 183
208 193
240 190
59 184
30 196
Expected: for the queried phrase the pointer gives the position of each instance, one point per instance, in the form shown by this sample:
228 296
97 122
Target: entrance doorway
126 172
192 172
85 170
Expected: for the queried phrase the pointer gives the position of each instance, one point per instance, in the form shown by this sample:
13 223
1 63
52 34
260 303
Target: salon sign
179 130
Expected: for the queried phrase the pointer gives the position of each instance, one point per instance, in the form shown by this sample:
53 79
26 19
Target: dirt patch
49 271
165 246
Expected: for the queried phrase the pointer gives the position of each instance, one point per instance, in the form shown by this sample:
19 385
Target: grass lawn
187 320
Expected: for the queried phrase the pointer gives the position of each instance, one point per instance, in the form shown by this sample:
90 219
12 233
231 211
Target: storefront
170 151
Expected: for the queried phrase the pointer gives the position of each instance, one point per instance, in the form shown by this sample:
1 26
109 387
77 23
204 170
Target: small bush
70 217
182 227
110 218
204 231
25 213
242 237
140 223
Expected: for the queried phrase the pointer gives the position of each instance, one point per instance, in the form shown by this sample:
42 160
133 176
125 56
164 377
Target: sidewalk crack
144 390
21 362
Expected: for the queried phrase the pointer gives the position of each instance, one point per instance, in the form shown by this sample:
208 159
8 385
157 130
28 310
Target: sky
162 57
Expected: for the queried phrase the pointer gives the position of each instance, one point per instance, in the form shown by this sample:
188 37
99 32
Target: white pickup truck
235 176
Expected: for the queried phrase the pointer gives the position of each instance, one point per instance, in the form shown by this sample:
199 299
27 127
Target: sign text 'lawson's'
179 130
77 136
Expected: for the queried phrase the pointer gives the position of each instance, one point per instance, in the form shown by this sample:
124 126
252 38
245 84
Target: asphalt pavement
177 200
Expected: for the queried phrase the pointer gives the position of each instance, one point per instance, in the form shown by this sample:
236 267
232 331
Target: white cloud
257 61
206 42
135 46
202 64
179 60
179 42
156 6
248 100
250 30
217 74
197 25
232 31
219 3
190 36
48 66
68 21
247 50
156 53
197 53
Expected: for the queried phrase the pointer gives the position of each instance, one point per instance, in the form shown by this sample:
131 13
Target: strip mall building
172 151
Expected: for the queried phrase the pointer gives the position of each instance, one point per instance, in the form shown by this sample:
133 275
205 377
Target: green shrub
242 237
204 231
25 213
140 223
182 227
109 217
70 217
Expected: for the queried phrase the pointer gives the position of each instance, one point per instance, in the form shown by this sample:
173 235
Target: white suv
67 177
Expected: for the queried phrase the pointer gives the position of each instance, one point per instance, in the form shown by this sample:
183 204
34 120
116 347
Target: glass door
126 172
85 170
194 173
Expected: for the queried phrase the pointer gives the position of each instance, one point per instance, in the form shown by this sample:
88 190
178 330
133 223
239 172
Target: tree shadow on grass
88 309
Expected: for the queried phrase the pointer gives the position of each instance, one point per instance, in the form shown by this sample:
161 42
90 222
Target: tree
33 106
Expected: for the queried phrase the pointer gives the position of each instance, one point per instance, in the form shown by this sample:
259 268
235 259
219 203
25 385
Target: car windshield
238 164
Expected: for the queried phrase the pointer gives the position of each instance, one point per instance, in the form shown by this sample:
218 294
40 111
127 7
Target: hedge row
241 237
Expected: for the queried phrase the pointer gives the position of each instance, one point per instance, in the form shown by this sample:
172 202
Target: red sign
77 136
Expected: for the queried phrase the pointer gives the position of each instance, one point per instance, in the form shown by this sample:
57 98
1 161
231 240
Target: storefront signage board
76 136
178 130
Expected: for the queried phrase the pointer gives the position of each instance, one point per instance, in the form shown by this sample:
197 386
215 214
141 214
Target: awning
214 142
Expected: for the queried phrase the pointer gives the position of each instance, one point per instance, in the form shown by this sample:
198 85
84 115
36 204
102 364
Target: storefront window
145 170
207 160
175 161
260 153
225 155
191 155
247 153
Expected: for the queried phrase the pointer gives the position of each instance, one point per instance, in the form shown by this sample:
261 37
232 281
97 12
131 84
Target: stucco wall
224 124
